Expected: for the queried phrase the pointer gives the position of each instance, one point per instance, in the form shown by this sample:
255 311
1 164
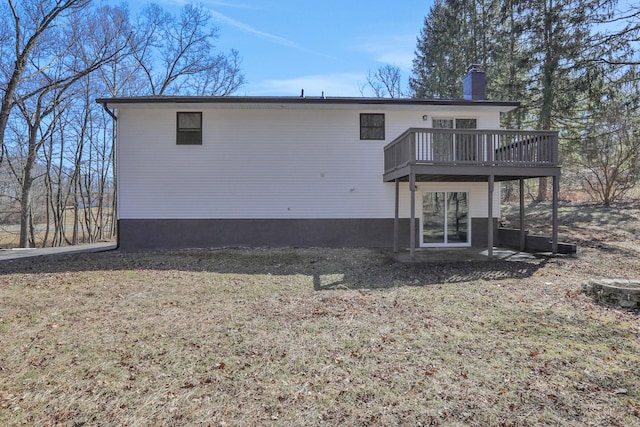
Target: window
461 147
459 123
466 124
371 126
189 129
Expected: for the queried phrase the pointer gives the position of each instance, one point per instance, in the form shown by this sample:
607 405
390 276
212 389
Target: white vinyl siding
265 163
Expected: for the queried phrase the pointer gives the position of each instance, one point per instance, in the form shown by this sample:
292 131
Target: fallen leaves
228 343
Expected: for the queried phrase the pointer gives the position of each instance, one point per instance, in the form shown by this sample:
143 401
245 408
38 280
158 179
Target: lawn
302 337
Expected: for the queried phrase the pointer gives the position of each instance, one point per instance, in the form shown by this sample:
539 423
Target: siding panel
263 163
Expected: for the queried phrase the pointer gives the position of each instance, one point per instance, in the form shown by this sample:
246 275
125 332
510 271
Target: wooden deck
471 154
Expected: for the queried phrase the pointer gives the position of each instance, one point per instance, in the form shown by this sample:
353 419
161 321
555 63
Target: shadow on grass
329 268
611 248
432 274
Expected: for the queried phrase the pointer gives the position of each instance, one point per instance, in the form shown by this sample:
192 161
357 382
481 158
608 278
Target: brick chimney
474 83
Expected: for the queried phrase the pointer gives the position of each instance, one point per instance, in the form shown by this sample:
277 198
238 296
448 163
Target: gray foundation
510 238
480 232
137 234
216 233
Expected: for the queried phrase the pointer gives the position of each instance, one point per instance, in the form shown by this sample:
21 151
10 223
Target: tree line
573 65
56 144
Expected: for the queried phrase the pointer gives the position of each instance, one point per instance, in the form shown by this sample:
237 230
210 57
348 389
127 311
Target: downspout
109 112
115 119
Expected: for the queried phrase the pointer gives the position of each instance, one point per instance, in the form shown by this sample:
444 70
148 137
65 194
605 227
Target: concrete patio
16 253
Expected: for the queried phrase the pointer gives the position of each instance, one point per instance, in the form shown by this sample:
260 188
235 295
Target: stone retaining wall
623 293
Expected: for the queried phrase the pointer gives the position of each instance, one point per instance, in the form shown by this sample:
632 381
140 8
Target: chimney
474 83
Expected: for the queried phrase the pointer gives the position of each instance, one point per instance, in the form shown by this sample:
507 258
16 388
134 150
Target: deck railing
478 147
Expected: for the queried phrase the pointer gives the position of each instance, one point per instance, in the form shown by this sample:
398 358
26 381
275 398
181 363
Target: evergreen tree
538 52
440 61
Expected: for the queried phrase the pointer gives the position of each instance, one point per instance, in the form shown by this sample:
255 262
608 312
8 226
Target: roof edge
297 100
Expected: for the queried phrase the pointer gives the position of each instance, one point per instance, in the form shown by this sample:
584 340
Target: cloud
336 84
267 36
240 25
210 3
396 50
234 5
249 29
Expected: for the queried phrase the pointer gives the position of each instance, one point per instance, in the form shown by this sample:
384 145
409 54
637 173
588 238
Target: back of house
310 171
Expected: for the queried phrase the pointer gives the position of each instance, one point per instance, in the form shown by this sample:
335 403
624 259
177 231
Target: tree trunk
549 68
27 183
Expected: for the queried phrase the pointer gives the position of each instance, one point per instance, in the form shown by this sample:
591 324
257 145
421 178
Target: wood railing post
554 215
412 137
490 217
412 224
523 241
490 148
520 154
396 219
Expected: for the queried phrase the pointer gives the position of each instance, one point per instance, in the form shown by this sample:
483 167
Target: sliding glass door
445 218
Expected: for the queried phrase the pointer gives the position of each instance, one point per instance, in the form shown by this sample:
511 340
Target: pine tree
440 56
537 52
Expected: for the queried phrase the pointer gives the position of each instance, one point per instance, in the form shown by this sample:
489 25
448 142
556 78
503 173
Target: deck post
490 218
396 218
554 235
523 242
412 225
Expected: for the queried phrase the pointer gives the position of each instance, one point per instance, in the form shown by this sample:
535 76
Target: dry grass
582 223
314 337
10 233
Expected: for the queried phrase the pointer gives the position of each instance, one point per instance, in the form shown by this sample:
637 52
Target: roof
307 100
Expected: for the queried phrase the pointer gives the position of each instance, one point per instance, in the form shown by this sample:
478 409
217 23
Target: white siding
258 162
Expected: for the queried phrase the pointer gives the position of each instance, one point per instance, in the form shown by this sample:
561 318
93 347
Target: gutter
111 113
323 100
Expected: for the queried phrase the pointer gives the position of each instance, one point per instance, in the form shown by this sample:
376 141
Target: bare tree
56 178
176 53
37 136
30 19
611 154
59 58
223 79
385 82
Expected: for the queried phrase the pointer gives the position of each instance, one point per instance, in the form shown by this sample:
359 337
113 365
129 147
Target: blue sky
315 45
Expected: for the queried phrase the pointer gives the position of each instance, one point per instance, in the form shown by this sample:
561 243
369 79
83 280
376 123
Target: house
320 171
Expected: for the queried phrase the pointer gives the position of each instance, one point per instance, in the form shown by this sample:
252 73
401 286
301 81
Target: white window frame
445 245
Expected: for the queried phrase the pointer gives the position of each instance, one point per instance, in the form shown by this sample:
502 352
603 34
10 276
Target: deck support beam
554 235
412 224
522 235
490 217
396 220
